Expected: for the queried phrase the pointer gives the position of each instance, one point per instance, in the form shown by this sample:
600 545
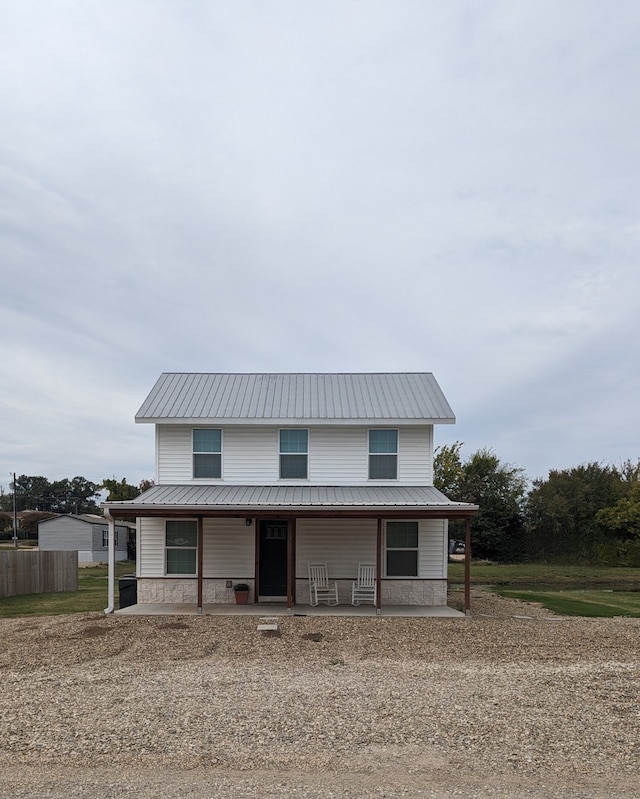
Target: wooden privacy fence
24 572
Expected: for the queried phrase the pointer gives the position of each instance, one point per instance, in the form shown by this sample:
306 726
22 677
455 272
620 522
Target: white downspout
111 561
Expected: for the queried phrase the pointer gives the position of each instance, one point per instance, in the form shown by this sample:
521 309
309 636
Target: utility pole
15 514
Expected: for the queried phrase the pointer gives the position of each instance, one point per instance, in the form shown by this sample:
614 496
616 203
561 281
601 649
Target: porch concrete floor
148 609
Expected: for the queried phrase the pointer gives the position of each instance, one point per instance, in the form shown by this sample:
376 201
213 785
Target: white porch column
111 561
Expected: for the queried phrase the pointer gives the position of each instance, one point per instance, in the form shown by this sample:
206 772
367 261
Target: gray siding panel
69 533
65 534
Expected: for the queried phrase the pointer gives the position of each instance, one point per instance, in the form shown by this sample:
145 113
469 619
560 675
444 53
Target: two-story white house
259 474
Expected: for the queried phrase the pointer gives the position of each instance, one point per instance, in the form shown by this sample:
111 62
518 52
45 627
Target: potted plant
242 593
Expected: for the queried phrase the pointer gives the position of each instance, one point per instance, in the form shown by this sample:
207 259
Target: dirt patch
176 625
94 632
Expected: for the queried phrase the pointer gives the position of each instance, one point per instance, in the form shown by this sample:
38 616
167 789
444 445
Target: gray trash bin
128 588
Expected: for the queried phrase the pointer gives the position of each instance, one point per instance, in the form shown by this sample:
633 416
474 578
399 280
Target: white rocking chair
320 589
364 588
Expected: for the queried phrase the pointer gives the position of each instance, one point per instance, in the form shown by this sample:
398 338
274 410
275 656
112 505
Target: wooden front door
272 553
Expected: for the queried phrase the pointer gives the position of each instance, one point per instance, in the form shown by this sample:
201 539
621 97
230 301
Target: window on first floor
207 453
181 546
402 549
383 454
105 538
294 454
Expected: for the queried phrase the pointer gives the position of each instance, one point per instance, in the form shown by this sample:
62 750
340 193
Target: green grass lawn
92 595
546 574
582 603
571 590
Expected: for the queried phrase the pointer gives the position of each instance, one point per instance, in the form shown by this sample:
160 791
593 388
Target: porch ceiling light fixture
248 521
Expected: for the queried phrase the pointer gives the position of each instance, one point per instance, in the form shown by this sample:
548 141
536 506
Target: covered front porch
265 536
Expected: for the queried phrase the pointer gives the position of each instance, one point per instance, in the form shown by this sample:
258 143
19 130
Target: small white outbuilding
87 533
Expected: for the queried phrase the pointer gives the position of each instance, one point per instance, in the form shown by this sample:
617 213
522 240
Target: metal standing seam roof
307 397
255 497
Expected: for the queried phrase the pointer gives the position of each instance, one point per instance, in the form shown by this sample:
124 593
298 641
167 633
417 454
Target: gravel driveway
512 703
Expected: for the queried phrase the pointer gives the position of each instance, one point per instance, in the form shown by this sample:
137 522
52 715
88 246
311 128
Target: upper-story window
294 454
207 453
383 454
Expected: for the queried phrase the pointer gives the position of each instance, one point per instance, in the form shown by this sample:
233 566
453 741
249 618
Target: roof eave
454 510
301 421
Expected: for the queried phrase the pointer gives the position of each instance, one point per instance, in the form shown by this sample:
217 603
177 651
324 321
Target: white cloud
319 186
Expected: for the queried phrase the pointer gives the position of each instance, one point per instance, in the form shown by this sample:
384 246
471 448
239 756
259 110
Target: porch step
268 623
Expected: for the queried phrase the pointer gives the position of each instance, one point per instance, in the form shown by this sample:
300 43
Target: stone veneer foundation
394 592
177 591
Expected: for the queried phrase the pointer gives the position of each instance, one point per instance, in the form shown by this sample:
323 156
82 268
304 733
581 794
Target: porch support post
256 562
291 564
378 566
467 567
200 560
111 561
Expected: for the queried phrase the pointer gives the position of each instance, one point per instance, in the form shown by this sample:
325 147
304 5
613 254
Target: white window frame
282 454
174 548
383 454
194 452
105 538
388 549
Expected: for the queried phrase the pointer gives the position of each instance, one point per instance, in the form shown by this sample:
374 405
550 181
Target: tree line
76 495
588 513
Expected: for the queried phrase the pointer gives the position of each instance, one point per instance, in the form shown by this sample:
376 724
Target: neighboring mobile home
259 474
87 533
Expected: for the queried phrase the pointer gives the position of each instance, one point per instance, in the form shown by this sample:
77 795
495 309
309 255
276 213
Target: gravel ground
513 702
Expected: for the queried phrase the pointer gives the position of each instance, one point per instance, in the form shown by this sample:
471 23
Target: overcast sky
408 185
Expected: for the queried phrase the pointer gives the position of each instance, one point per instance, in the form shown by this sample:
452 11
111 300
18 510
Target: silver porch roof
406 397
254 498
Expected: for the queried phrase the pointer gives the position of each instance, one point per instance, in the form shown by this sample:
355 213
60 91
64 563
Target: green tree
77 495
447 469
622 520
119 490
6 501
497 488
32 493
561 511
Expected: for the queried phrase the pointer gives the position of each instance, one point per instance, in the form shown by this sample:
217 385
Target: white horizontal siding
151 547
341 543
414 455
250 455
229 549
175 454
432 557
337 456
345 543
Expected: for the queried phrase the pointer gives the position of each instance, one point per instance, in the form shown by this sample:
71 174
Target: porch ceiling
292 501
